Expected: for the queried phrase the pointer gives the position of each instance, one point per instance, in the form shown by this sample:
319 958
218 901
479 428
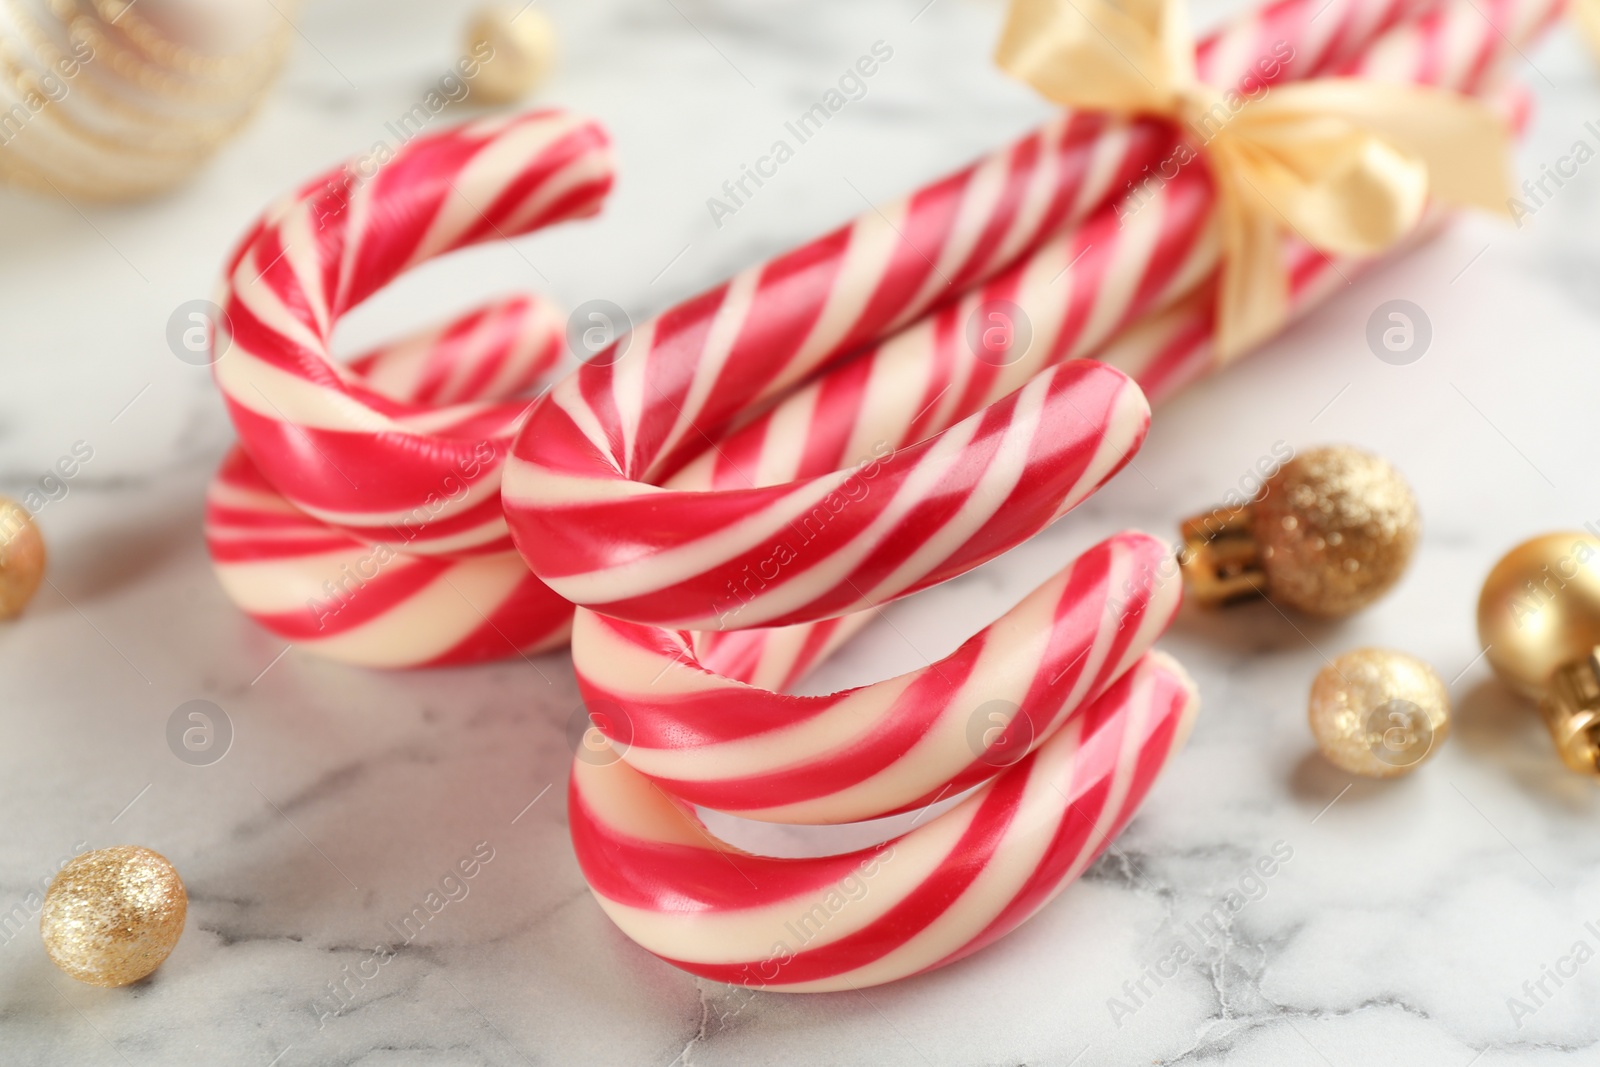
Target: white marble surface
1409 912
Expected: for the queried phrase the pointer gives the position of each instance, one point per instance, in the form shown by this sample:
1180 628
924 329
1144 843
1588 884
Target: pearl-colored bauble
121 99
522 46
213 27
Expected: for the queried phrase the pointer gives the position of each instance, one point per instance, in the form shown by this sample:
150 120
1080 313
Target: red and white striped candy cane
1064 302
604 538
378 605
884 748
341 447
946 889
347 600
855 402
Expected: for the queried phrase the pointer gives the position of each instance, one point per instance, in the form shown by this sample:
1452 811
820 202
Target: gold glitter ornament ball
21 558
1378 713
113 915
1336 527
515 46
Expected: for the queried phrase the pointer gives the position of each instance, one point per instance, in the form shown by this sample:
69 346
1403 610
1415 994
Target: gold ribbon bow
1346 164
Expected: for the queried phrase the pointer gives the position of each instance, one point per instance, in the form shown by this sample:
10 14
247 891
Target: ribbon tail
1587 15
1253 302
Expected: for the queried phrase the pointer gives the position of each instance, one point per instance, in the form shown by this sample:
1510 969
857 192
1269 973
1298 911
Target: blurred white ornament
117 100
516 46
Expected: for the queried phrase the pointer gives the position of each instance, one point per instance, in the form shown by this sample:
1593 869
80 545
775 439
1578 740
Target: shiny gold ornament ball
1540 608
1378 713
1336 528
515 46
21 558
113 915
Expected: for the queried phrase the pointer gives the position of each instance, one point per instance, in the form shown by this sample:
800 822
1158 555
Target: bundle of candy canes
713 505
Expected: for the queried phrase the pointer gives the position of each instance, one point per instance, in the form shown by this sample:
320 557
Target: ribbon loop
1339 187
1133 56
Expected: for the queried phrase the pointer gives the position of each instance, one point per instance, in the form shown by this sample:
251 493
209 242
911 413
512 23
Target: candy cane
379 605
1064 302
335 445
922 900
888 747
367 604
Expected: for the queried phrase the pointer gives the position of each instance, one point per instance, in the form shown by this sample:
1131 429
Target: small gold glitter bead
21 558
113 915
523 45
1378 713
1332 530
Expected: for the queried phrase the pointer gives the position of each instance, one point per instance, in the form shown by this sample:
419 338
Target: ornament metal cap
1331 531
1571 712
1539 624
